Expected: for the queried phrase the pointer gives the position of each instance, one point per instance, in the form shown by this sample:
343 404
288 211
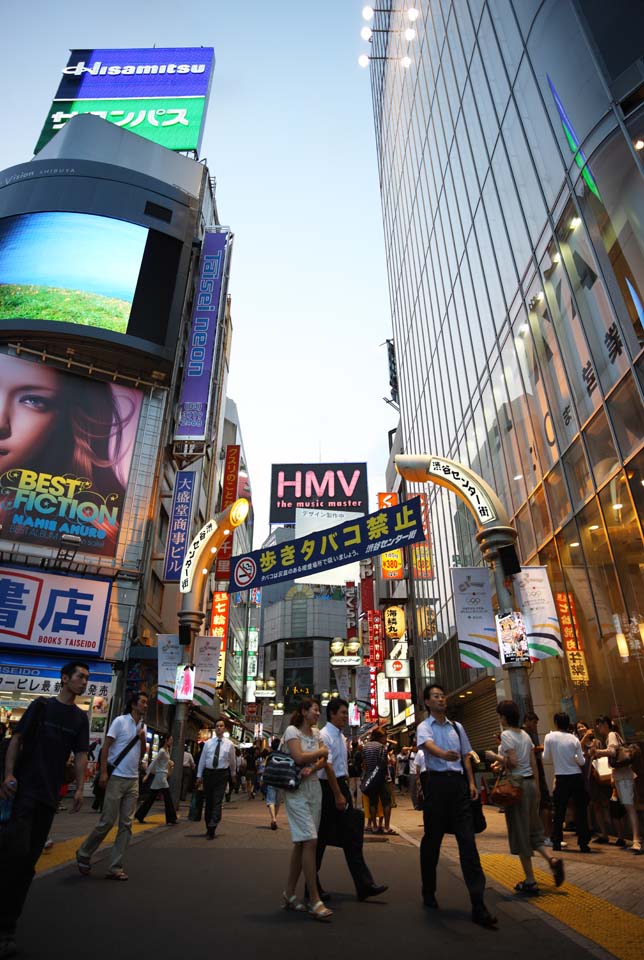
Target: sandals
528 889
318 911
120 875
84 866
292 903
557 868
390 832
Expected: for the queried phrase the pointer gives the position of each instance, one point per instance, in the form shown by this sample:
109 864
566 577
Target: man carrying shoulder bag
121 757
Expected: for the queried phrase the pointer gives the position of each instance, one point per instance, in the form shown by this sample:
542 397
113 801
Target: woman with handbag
157 777
304 807
525 830
623 776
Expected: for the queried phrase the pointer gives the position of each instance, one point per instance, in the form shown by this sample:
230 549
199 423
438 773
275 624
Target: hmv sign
321 486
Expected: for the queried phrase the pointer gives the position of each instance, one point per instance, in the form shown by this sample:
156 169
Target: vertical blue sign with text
179 528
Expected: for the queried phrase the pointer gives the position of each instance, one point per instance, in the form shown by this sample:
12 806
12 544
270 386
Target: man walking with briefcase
121 757
341 824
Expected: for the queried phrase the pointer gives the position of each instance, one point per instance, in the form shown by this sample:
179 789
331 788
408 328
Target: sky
289 137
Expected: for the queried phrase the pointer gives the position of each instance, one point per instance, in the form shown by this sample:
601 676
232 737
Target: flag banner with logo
536 602
477 640
347 542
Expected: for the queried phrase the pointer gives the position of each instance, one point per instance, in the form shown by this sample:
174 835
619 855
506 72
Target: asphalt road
188 897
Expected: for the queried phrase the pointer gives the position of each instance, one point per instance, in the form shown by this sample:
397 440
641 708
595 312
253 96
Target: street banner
179 526
363 685
207 651
536 602
343 682
169 654
197 385
348 542
159 94
219 628
46 611
477 640
228 496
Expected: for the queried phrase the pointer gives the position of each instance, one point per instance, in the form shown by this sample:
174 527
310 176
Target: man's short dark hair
509 710
334 704
531 715
432 686
133 699
69 669
562 721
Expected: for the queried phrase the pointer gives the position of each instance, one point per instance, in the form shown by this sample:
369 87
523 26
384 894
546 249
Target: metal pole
519 679
193 619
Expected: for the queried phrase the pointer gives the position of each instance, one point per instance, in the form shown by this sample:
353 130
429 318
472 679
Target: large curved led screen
85 269
74 267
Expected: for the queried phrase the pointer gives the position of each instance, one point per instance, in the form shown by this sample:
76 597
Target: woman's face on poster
29 401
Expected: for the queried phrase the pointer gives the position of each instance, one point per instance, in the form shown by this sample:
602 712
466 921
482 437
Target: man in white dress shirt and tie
218 762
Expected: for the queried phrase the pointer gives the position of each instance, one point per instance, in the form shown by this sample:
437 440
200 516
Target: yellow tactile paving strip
64 851
617 931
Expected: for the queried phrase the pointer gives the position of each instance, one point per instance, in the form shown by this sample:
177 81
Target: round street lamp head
366 33
353 646
367 13
271 683
410 34
239 511
405 62
337 646
412 14
363 60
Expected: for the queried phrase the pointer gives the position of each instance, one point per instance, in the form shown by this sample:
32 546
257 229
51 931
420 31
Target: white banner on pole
207 650
343 682
169 653
363 685
534 598
477 640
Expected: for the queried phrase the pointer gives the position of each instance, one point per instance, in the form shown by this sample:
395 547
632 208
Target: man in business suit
341 824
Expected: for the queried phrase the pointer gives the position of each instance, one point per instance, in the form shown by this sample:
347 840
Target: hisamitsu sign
45 611
347 543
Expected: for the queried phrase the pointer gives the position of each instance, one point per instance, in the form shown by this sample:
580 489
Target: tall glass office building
511 169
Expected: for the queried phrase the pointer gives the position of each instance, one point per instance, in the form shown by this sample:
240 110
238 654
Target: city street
224 895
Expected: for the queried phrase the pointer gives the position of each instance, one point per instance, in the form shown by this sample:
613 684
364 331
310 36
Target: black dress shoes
484 918
373 891
430 902
210 833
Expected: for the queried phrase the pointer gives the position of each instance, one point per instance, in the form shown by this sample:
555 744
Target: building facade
510 157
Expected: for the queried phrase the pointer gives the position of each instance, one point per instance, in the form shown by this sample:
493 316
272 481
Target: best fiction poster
66 447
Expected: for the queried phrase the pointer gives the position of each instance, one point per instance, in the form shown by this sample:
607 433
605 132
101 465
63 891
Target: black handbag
281 772
616 808
372 781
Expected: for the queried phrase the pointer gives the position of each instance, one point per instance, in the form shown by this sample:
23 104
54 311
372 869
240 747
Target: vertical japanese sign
391 563
534 596
219 628
196 388
169 654
179 526
421 553
45 611
478 644
351 612
572 640
228 496
207 655
253 650
159 94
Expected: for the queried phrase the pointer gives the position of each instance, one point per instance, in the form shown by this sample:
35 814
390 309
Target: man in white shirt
218 762
123 750
341 824
564 750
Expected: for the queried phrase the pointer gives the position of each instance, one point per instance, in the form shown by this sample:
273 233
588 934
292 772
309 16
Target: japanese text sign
228 496
159 94
391 563
346 543
179 527
219 628
421 553
571 637
376 638
196 388
46 611
462 482
322 486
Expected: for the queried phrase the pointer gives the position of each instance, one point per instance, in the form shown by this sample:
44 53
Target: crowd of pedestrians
339 786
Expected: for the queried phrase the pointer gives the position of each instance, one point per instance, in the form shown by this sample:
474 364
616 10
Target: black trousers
22 843
447 808
344 829
570 787
214 788
144 808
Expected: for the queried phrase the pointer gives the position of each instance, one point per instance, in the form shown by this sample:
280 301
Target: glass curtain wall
513 211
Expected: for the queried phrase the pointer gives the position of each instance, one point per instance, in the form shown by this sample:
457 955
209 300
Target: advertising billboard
47 611
321 486
194 402
65 455
84 269
160 94
179 525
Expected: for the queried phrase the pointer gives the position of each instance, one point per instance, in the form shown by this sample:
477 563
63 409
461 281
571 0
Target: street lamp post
195 571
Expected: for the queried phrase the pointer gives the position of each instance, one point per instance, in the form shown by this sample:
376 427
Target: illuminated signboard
159 94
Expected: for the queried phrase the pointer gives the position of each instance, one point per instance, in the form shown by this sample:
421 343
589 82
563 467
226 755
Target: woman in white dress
304 806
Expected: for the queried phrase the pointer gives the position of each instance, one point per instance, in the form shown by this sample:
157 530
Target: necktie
215 759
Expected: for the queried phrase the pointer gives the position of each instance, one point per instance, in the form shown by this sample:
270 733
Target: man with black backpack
34 770
121 757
